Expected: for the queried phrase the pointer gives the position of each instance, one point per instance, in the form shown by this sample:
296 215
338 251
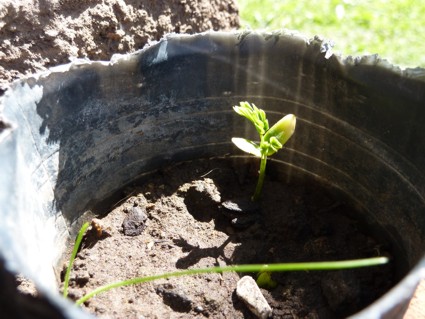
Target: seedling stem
271 139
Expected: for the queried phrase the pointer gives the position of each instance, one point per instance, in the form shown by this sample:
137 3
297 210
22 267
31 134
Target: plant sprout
77 244
264 270
271 139
261 268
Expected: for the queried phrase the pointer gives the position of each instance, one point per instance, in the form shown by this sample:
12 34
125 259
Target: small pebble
199 309
150 245
135 221
248 291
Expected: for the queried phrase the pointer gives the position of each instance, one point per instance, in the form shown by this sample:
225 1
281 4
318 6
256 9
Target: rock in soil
135 221
248 291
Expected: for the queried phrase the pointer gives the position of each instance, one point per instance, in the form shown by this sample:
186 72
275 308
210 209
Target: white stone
248 291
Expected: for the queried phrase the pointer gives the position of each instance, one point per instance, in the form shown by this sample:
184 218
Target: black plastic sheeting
71 138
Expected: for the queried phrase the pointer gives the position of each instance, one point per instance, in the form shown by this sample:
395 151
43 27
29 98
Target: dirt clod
135 221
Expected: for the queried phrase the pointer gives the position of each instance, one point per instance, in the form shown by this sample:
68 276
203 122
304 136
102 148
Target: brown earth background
37 34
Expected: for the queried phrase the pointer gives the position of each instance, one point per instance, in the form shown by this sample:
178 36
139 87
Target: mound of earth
37 34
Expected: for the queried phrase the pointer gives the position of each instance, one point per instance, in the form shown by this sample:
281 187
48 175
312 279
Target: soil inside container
186 228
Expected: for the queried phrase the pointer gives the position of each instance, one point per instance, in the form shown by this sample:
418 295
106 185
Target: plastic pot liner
72 137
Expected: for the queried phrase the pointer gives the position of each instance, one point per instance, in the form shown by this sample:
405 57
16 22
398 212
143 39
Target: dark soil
176 221
38 34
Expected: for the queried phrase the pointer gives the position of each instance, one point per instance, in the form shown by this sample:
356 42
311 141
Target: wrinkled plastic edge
376 60
326 47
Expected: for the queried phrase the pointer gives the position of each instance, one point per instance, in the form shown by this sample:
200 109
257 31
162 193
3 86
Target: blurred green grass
395 29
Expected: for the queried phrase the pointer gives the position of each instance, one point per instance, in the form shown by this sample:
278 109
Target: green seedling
271 139
264 280
73 254
259 268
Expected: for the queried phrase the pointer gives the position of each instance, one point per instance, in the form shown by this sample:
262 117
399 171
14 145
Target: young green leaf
247 146
280 132
254 114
